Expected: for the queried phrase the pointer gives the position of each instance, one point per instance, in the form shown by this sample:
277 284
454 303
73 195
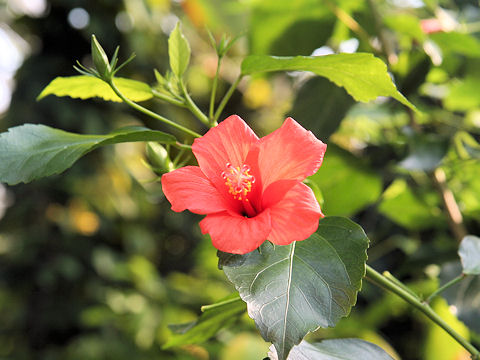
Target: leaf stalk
226 98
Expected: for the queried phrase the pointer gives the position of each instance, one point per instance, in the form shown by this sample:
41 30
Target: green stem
168 99
389 285
227 97
447 285
392 278
214 92
221 303
179 145
149 112
192 106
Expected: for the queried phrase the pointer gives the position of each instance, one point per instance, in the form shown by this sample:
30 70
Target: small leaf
214 318
364 76
178 51
469 252
335 349
85 87
30 151
294 289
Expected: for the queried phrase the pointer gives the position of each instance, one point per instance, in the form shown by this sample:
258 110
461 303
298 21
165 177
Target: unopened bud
158 158
100 59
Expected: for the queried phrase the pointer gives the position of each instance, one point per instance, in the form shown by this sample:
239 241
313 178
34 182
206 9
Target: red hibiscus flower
250 189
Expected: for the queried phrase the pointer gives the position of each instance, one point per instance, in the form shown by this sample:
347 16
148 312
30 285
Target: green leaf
335 349
294 289
30 151
405 24
340 177
178 51
469 252
464 295
285 27
426 152
364 76
458 43
320 106
85 87
414 211
214 317
463 94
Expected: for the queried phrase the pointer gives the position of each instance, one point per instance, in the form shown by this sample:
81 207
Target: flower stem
227 97
446 286
214 92
149 112
192 106
168 99
380 280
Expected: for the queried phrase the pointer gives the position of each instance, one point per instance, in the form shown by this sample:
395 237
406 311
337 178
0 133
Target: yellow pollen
238 180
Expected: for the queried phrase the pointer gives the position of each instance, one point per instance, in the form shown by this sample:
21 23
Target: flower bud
158 158
100 59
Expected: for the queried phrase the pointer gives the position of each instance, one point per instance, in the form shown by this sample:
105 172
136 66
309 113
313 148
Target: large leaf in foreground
30 151
335 349
294 289
364 76
213 318
85 87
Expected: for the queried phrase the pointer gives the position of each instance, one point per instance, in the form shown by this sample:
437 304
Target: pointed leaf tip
178 51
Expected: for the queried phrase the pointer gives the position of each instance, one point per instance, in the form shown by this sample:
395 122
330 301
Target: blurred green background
94 265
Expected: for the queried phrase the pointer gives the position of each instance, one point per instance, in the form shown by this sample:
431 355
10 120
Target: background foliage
93 263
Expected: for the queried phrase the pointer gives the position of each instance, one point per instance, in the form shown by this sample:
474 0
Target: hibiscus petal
290 153
236 234
295 217
229 142
188 188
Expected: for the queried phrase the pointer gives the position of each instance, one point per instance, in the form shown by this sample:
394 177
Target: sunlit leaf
405 24
412 210
364 76
463 94
340 177
275 22
469 252
439 345
459 43
213 318
294 289
30 151
334 349
178 51
85 87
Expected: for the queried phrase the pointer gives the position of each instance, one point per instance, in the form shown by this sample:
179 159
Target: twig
455 218
380 280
